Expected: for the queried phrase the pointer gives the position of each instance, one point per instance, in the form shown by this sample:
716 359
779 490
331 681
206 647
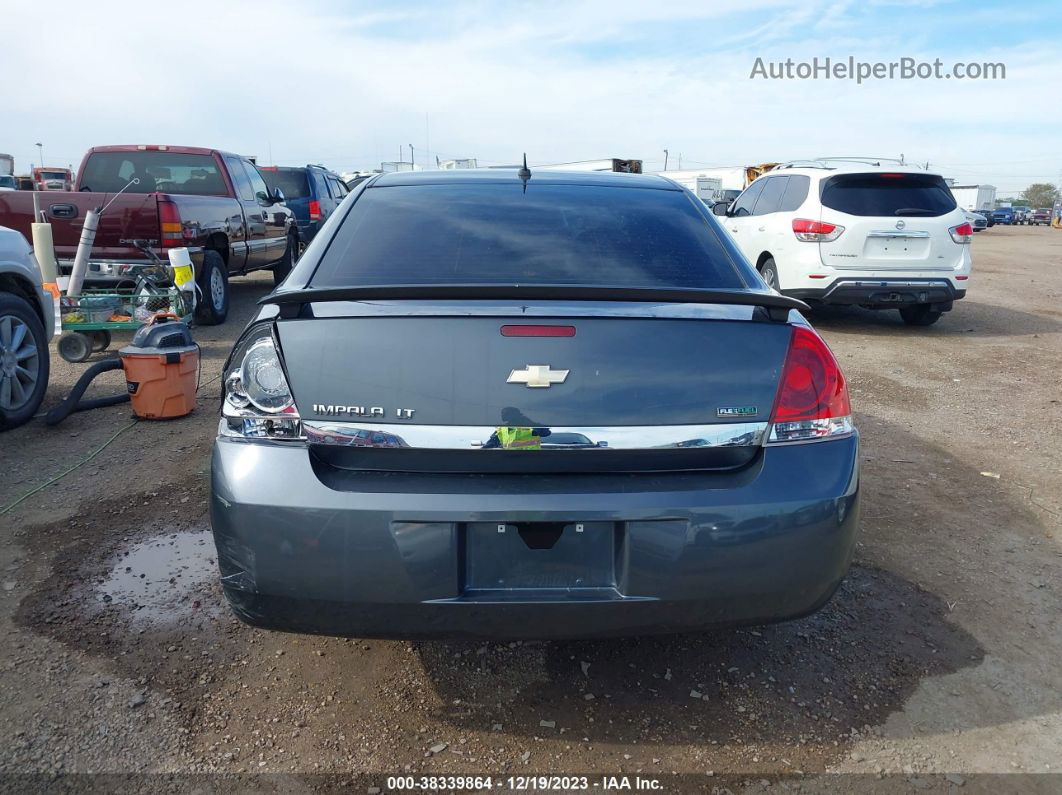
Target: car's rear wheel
769 272
23 361
283 267
213 280
920 315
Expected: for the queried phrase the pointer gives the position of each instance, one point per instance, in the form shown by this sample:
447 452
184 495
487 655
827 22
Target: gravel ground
934 666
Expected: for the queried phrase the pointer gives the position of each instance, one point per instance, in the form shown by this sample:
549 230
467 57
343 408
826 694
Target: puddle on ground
164 579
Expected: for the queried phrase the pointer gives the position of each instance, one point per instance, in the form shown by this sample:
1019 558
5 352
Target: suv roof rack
828 162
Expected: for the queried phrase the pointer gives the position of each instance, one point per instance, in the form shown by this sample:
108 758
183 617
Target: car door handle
762 228
62 211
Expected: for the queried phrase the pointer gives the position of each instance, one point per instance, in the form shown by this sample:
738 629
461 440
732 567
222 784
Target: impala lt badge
537 375
330 410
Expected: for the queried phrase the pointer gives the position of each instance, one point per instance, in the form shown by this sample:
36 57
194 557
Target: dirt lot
937 661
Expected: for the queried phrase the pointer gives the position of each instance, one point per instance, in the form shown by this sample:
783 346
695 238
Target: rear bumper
307 229
113 272
402 555
886 292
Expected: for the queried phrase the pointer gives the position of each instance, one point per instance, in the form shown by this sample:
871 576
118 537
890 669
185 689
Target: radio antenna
524 173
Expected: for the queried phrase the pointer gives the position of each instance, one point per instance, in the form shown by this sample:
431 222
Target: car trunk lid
464 371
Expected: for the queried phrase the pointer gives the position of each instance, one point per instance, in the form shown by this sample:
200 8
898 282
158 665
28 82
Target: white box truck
732 179
974 197
7 165
705 187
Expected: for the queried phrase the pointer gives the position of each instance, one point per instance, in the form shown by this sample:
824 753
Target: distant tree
1040 194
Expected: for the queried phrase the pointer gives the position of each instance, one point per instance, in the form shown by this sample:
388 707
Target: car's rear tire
23 361
283 266
920 315
213 282
769 272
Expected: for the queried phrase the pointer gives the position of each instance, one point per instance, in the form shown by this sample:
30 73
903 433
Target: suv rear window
292 181
167 172
552 234
888 195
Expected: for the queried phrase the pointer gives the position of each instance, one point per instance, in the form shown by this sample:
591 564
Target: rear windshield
888 195
167 172
552 234
292 181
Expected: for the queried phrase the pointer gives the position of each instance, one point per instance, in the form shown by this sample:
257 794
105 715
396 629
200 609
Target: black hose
73 401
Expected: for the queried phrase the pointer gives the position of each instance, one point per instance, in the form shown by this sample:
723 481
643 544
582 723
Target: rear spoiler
776 306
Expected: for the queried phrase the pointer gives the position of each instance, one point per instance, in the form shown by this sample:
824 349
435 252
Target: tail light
258 403
171 231
963 233
812 400
815 231
315 210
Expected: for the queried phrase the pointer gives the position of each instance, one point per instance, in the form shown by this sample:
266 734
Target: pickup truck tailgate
129 217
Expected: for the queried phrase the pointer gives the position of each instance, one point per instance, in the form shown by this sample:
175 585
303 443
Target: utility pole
40 149
665 160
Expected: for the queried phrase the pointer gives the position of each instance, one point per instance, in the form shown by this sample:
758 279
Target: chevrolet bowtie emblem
537 375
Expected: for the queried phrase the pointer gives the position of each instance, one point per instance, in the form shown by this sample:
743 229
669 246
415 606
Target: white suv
856 233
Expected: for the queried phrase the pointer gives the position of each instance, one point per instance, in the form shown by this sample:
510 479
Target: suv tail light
963 233
171 232
812 400
815 231
315 210
257 402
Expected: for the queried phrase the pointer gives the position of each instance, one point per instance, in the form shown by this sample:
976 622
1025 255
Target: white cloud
559 80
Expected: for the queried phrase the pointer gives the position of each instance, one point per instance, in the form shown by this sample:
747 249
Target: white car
977 221
8 182
856 233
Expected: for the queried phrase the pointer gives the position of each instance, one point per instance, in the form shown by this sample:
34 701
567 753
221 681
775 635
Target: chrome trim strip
897 233
887 283
466 437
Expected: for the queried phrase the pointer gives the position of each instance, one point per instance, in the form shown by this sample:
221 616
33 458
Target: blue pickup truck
1004 215
311 192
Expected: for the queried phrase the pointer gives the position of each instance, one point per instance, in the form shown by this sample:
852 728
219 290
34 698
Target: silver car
26 325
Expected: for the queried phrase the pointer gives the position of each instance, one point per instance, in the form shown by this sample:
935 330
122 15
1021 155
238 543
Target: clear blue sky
347 83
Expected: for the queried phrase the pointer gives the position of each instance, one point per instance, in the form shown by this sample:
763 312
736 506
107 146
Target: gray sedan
511 405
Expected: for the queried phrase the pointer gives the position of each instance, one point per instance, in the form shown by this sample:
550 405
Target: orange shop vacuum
161 366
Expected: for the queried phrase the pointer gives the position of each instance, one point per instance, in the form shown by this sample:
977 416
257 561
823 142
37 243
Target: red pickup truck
215 203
